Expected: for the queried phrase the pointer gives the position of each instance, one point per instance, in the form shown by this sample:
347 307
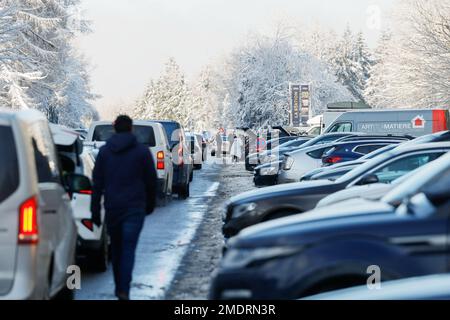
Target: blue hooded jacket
125 175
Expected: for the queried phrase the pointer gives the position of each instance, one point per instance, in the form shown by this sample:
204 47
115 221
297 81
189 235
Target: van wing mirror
369 179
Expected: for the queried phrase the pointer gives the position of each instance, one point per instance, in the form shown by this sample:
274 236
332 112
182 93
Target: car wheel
99 259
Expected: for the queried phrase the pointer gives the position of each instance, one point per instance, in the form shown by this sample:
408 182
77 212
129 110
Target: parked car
92 240
280 201
150 134
349 164
434 287
297 163
349 151
37 231
329 171
278 152
267 174
195 148
332 247
371 191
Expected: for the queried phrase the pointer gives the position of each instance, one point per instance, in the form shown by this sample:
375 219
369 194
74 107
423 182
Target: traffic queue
46 223
331 209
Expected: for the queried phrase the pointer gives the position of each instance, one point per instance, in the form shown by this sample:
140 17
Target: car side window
400 167
342 127
44 153
366 149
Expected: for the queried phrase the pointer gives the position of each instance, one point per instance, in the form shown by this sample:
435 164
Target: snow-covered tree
39 66
258 79
167 97
352 62
414 69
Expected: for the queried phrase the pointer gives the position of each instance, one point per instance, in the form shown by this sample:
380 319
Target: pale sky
132 39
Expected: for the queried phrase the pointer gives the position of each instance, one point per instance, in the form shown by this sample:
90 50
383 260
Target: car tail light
88 224
160 160
88 192
332 160
28 226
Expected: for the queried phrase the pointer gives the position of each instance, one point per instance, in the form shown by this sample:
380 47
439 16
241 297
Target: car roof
63 136
423 146
25 115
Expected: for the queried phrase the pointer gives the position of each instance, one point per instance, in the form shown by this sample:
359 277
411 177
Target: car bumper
248 284
233 226
264 181
87 246
287 177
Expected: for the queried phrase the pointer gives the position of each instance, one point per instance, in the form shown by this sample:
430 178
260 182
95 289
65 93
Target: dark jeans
124 238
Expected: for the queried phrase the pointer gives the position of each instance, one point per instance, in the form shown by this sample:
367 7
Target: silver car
37 230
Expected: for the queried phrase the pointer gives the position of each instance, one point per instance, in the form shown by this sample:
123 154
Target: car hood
271 192
313 225
370 192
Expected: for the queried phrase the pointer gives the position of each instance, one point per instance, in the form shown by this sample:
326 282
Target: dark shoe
122 296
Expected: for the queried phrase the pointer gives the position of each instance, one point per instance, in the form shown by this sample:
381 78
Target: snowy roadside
193 277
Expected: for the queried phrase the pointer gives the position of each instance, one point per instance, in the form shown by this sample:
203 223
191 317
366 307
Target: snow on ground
194 275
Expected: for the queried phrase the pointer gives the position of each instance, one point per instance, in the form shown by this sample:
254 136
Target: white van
37 230
413 122
93 240
151 134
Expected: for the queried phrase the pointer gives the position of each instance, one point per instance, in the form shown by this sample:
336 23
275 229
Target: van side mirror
369 179
77 183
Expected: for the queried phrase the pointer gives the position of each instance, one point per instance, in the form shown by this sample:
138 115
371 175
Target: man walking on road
125 175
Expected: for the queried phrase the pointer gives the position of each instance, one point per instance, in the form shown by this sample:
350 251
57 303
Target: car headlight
246 208
241 258
270 158
288 162
271 171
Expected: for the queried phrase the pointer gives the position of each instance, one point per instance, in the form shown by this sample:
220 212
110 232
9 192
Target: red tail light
332 160
88 224
88 192
160 160
28 226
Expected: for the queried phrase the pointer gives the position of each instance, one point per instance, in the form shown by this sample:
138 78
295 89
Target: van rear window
9 171
144 134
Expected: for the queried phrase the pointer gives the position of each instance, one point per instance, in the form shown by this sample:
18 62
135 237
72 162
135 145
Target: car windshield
365 167
144 134
419 178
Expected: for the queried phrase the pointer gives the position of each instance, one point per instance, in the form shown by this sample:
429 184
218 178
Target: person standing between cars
125 175
236 149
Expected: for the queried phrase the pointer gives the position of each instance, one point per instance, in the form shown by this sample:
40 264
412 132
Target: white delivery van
413 122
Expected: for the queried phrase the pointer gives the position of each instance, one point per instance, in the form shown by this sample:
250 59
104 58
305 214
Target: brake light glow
88 224
160 160
28 226
332 160
88 192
